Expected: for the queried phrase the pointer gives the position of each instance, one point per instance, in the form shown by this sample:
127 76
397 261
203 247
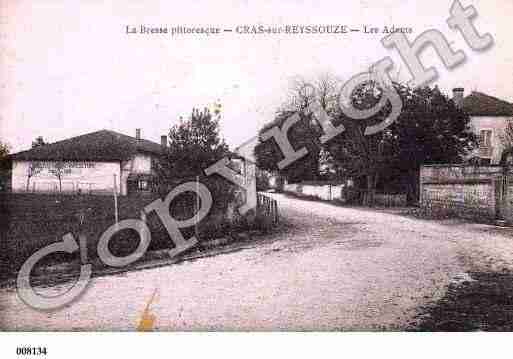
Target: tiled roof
480 104
101 145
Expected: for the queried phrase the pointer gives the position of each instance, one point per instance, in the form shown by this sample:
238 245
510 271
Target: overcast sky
68 67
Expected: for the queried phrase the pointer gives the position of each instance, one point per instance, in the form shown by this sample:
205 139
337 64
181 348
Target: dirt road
335 268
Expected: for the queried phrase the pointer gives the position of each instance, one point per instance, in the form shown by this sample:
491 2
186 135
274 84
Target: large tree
430 129
304 133
357 155
194 144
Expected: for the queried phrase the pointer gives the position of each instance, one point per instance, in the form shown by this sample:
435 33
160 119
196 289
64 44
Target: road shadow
484 303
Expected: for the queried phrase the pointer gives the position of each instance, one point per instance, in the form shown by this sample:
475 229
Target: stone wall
390 200
335 192
327 192
461 191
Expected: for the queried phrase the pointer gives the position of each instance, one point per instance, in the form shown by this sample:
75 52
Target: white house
489 117
96 162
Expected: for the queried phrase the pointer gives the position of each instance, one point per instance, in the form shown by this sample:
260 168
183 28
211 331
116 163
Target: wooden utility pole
115 190
196 215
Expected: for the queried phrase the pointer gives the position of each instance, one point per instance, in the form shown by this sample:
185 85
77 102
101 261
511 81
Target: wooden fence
268 208
390 200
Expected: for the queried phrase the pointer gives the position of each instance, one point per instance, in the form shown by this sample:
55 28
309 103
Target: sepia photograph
308 167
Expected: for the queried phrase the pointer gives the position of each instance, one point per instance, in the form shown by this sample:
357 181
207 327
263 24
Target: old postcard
253 166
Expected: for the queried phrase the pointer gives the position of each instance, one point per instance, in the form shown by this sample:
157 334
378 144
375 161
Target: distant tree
59 170
430 129
328 170
5 165
360 156
304 133
39 141
194 144
302 93
4 152
506 138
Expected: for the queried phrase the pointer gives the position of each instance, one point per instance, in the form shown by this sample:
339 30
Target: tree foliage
430 129
5 165
304 133
59 171
360 156
4 152
194 144
506 138
39 141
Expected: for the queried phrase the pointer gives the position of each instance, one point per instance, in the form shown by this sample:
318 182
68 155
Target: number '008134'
26 350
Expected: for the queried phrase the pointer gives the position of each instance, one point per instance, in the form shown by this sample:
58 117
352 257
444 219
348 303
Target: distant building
489 117
263 179
244 159
93 163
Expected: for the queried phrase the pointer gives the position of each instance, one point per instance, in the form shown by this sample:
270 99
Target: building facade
489 117
94 163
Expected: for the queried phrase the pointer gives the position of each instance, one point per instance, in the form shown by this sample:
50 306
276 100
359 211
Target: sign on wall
66 167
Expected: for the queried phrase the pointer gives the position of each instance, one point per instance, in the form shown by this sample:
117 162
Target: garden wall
324 191
460 190
337 192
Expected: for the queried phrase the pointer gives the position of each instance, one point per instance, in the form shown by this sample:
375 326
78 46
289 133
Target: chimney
163 140
137 133
457 96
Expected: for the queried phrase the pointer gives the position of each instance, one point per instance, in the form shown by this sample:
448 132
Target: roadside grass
29 222
32 221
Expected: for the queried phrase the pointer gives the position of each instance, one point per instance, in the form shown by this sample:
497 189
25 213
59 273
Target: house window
143 185
485 144
154 164
485 138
